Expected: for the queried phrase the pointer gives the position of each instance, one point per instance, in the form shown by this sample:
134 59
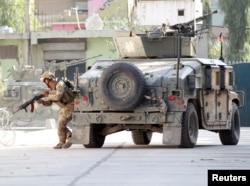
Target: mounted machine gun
187 28
52 66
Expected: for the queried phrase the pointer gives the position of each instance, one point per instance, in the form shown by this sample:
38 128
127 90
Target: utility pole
194 16
26 47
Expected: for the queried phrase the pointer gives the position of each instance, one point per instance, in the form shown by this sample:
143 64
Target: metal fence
242 71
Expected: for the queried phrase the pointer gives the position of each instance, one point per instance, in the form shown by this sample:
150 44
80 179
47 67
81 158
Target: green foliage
114 14
206 9
214 48
236 19
13 14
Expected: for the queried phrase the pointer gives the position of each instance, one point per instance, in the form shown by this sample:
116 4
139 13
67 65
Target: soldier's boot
62 139
58 146
68 141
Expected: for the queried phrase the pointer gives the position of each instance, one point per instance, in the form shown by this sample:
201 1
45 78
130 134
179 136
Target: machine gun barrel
73 63
187 27
198 19
53 66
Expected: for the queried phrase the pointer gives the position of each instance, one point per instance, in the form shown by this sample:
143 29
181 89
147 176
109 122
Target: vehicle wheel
190 127
7 133
96 140
232 136
121 86
141 137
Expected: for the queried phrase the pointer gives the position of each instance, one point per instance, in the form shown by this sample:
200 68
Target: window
180 12
8 52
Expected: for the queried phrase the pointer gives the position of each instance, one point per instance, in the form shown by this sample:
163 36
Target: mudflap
171 135
80 134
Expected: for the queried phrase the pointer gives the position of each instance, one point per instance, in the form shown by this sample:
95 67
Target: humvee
25 84
158 85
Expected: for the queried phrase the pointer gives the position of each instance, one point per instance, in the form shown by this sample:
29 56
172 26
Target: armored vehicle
160 86
25 85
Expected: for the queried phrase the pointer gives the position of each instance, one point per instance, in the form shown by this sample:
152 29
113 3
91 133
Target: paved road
31 160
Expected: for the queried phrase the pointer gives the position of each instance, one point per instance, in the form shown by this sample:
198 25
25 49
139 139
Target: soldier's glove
39 101
45 93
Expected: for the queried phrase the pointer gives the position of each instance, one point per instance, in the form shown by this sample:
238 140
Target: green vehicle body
158 85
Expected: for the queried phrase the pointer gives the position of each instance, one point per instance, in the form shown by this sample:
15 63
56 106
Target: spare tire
121 86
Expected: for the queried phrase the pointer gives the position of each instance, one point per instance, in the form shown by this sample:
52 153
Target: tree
207 24
13 14
206 9
236 14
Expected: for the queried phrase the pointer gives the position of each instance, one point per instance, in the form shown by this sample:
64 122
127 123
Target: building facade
62 36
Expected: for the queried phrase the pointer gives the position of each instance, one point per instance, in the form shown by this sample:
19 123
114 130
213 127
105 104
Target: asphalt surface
31 160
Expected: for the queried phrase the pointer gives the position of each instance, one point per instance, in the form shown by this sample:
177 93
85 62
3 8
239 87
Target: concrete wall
6 64
102 46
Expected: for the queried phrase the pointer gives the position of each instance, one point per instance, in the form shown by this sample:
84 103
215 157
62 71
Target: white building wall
166 11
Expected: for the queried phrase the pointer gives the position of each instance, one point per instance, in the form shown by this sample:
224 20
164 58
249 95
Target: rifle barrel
81 60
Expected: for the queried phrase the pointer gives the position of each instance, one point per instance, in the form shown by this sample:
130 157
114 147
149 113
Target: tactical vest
67 96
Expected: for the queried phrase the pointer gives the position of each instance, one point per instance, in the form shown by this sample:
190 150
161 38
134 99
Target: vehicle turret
26 73
161 42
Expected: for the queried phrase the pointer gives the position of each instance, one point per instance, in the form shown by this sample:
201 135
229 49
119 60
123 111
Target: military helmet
47 75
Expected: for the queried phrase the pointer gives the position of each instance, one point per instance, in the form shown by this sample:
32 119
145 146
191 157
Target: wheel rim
120 86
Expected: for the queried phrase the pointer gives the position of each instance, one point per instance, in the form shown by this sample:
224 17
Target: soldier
61 95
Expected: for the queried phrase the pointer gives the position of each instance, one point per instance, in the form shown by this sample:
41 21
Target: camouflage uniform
63 97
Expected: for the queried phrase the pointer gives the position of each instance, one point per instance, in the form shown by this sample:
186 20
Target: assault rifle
29 102
53 66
